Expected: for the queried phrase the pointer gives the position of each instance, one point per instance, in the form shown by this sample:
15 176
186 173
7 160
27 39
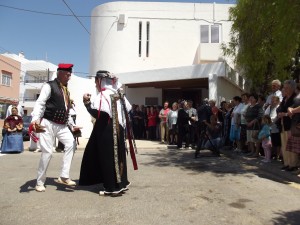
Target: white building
32 76
160 51
34 73
164 50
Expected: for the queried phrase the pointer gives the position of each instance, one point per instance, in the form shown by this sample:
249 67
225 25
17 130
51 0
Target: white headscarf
102 101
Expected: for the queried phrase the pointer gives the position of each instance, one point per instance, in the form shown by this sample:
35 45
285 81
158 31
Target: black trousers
183 135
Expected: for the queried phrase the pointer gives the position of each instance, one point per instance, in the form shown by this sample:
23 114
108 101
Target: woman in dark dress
183 125
104 159
227 124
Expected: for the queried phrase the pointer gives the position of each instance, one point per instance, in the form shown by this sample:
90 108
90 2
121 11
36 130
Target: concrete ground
170 187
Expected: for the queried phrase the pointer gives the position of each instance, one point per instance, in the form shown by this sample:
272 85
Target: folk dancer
51 112
104 159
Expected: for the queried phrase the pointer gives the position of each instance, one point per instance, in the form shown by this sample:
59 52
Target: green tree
265 37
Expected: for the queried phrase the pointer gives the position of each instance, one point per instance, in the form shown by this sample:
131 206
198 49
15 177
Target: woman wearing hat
104 159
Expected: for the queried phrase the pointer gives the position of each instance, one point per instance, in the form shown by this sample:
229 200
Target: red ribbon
32 134
102 89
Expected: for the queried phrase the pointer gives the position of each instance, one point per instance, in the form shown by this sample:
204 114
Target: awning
188 83
183 75
8 100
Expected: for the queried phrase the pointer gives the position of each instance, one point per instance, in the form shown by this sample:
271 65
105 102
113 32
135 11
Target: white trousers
34 145
47 139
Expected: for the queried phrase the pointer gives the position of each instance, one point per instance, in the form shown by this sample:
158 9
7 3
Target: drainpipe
214 19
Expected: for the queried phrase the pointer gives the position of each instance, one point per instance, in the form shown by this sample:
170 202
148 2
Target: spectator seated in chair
13 138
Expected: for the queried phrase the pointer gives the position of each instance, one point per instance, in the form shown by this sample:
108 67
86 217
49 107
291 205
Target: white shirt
276 93
273 114
40 104
243 112
236 112
172 117
105 99
72 111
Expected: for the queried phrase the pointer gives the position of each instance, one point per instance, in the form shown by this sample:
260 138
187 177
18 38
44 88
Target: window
140 39
148 39
3 108
151 101
204 29
6 79
210 33
214 34
41 79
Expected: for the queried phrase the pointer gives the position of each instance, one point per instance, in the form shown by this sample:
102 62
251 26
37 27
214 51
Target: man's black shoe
197 153
291 169
284 168
217 154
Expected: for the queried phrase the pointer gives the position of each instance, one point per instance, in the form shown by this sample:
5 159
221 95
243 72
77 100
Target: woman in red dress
152 120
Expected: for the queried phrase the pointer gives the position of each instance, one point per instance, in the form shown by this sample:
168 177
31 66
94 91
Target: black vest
55 106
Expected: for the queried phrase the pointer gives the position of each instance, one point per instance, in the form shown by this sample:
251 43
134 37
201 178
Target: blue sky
52 37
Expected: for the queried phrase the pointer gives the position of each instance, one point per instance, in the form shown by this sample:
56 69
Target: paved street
170 187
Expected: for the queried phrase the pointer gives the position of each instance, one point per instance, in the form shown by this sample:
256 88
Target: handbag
295 129
12 143
77 133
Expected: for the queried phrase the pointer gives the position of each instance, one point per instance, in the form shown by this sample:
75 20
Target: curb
273 168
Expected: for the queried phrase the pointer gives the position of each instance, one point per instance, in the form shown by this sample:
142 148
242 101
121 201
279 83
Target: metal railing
29 99
232 75
35 81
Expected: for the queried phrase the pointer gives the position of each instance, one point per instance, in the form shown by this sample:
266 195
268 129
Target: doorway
173 95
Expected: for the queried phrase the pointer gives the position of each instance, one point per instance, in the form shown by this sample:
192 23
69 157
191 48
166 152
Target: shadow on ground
228 163
291 218
50 181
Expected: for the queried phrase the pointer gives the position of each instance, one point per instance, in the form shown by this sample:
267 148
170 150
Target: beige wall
9 93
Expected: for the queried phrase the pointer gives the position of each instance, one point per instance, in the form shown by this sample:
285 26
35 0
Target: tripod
203 138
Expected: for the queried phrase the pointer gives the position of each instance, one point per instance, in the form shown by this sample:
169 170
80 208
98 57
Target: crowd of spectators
253 125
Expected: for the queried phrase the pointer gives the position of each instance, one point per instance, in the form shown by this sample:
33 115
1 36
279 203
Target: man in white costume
51 113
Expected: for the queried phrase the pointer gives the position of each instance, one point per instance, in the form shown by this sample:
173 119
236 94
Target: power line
25 72
12 65
76 72
35 68
3 49
33 11
44 13
76 17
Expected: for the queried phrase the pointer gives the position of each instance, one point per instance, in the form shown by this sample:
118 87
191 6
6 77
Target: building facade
33 74
163 50
9 84
27 79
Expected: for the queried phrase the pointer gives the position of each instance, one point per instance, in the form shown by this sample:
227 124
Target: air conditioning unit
122 19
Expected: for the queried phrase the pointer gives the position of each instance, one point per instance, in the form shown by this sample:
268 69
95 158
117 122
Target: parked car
26 123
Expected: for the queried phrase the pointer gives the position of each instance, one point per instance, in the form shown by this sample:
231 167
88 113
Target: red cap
65 67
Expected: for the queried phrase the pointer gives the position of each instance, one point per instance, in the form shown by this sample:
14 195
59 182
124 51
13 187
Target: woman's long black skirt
98 164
